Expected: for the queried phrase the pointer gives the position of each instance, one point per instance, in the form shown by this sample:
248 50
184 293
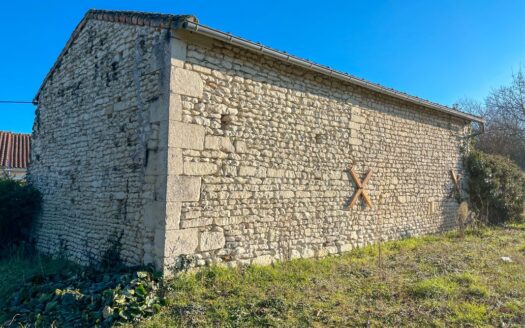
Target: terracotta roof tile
14 150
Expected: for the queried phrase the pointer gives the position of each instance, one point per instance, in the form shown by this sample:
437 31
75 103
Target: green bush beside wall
19 205
496 187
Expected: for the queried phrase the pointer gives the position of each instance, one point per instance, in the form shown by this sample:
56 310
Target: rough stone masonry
170 143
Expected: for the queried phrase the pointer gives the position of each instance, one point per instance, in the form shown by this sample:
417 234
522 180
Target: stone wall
95 154
259 152
170 148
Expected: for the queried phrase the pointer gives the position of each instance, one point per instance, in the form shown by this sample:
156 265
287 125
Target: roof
190 23
14 150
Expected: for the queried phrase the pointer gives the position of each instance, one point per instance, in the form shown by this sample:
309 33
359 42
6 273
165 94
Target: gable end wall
97 154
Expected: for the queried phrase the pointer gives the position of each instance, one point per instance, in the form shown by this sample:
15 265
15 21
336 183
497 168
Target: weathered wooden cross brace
360 188
456 179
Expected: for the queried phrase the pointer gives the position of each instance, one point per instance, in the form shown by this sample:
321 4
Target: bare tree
504 111
506 106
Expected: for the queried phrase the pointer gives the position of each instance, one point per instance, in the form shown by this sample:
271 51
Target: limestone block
263 260
358 119
178 52
185 135
173 215
211 142
175 163
183 188
322 252
249 171
201 69
332 249
354 133
219 143
163 134
261 172
240 147
148 258
356 110
159 239
295 254
199 168
345 248
210 240
175 107
198 222
308 252
275 173
185 82
179 242
229 170
157 111
432 207
354 126
153 144
355 141
302 194
154 213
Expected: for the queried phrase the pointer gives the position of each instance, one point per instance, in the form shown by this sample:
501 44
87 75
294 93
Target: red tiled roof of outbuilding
14 150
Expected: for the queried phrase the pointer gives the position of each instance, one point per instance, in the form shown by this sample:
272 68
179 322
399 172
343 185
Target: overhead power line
15 102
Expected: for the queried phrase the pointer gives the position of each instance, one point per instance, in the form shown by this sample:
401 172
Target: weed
434 287
468 313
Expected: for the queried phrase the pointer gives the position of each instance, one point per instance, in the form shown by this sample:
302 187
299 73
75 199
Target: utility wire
15 102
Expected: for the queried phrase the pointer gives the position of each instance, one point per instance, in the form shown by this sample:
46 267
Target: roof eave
256 47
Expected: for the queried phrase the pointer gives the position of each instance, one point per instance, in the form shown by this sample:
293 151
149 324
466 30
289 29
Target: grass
436 281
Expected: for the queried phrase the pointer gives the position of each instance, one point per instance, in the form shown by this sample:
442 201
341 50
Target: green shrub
87 298
19 205
496 186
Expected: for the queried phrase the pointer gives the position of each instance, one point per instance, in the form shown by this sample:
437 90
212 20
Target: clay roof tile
14 150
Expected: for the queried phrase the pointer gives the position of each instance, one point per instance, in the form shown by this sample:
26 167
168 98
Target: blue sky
439 50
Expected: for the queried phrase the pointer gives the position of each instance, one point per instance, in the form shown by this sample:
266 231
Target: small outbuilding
169 142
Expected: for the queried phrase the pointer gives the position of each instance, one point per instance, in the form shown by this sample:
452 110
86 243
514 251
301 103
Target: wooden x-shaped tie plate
360 188
456 179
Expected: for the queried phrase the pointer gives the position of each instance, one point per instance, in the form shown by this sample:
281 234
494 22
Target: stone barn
164 141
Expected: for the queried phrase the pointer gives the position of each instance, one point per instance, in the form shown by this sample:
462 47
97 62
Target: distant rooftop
14 150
